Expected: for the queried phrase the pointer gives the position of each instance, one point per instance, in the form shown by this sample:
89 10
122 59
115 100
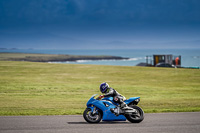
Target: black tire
135 117
88 116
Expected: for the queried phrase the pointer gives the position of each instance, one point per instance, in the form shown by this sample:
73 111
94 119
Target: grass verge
28 88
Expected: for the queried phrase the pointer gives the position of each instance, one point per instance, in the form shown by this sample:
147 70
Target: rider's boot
127 109
124 106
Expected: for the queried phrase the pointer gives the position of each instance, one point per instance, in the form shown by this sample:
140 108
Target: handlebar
98 98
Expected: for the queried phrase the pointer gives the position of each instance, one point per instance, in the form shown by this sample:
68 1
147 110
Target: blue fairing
131 100
105 105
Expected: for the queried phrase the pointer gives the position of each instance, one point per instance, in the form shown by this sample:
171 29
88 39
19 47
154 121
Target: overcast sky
99 24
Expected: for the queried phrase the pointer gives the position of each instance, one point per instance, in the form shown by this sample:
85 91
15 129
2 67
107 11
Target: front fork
93 110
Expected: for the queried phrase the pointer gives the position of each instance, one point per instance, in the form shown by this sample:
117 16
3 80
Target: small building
168 59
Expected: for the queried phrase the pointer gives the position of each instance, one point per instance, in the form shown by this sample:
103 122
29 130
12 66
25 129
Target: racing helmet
103 87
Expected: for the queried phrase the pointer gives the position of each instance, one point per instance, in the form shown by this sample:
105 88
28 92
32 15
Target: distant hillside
53 57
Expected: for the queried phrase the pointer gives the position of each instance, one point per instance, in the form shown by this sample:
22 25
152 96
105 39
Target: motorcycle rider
110 92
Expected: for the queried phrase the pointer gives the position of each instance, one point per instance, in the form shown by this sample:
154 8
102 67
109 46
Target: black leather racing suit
118 98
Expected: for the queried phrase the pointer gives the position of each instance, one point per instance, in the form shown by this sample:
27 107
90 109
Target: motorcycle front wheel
91 118
136 117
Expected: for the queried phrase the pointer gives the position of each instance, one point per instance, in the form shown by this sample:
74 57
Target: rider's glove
101 96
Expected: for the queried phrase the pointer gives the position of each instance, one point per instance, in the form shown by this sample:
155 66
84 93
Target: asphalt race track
153 123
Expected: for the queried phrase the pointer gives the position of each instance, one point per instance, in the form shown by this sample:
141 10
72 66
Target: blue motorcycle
107 110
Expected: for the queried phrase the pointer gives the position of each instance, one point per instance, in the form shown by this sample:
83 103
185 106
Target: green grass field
28 88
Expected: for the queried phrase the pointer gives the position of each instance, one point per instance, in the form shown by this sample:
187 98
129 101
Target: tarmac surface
152 123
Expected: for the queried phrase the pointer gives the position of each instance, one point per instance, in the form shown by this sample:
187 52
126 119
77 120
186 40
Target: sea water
189 57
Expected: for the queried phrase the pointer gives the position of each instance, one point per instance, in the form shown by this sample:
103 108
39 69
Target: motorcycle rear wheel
90 118
135 117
